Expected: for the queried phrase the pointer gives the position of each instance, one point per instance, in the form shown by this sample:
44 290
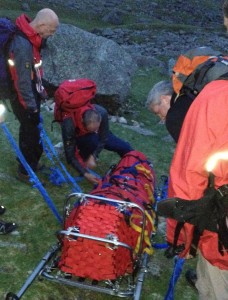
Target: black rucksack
7 31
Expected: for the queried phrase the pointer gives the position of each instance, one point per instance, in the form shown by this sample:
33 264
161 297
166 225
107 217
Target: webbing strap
178 228
149 192
200 74
195 241
32 175
52 154
141 169
149 248
178 266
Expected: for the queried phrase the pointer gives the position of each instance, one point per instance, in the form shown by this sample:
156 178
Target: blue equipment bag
7 31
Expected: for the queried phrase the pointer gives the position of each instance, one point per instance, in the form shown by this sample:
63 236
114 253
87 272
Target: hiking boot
40 167
7 227
191 278
25 178
2 209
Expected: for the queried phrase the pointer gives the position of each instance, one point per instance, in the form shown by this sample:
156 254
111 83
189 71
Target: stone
91 56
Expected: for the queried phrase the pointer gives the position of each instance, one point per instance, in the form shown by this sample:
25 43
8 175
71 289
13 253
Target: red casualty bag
132 181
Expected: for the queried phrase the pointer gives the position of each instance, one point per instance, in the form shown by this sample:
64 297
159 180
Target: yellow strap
149 192
137 228
150 219
144 170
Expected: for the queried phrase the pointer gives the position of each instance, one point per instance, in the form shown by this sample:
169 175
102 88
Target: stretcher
113 247
105 242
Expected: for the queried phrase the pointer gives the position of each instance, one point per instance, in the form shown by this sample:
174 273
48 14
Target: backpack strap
200 75
195 241
175 249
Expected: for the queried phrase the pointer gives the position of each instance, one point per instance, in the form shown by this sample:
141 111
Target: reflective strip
11 62
38 65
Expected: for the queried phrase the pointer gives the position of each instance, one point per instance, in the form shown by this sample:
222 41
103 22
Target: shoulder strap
200 75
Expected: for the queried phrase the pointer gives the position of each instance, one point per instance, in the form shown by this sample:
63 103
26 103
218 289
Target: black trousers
29 137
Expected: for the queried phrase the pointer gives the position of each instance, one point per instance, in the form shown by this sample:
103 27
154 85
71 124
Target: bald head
45 22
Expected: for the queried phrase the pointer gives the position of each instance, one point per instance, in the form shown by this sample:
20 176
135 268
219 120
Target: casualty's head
225 14
158 99
91 120
45 23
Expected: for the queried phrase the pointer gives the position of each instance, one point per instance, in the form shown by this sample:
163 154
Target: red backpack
71 95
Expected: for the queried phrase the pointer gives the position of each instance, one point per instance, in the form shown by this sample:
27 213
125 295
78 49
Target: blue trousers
88 143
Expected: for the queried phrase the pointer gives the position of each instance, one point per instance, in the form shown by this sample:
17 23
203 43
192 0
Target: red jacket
204 132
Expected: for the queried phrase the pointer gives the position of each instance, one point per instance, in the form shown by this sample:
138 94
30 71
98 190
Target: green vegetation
20 252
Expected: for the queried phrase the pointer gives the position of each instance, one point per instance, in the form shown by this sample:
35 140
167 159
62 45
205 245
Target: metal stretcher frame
48 269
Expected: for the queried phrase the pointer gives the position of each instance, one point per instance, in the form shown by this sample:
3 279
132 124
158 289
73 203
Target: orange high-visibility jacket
204 132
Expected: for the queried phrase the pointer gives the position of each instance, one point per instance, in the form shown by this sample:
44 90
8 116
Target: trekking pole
32 175
34 274
45 139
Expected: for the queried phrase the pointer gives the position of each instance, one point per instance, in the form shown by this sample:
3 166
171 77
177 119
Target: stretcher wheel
11 296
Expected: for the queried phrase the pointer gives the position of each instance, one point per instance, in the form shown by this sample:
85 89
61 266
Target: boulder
76 53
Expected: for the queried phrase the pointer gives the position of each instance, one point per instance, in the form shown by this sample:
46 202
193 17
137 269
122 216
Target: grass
21 252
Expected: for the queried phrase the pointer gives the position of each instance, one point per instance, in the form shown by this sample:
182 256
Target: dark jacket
175 117
70 134
24 51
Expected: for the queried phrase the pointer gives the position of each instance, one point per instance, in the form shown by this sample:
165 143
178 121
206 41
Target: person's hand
91 178
91 162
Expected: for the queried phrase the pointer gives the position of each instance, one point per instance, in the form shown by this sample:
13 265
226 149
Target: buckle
223 190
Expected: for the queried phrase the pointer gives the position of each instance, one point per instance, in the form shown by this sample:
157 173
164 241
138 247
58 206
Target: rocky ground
160 30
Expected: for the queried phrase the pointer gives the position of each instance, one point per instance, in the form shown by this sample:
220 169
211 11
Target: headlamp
212 162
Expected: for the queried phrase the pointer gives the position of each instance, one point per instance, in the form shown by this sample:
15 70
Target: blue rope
160 246
161 190
93 173
56 177
178 266
32 175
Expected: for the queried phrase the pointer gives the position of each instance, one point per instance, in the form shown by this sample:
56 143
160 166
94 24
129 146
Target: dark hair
91 116
225 8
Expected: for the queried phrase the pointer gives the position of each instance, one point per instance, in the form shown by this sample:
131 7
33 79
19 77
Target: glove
201 213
